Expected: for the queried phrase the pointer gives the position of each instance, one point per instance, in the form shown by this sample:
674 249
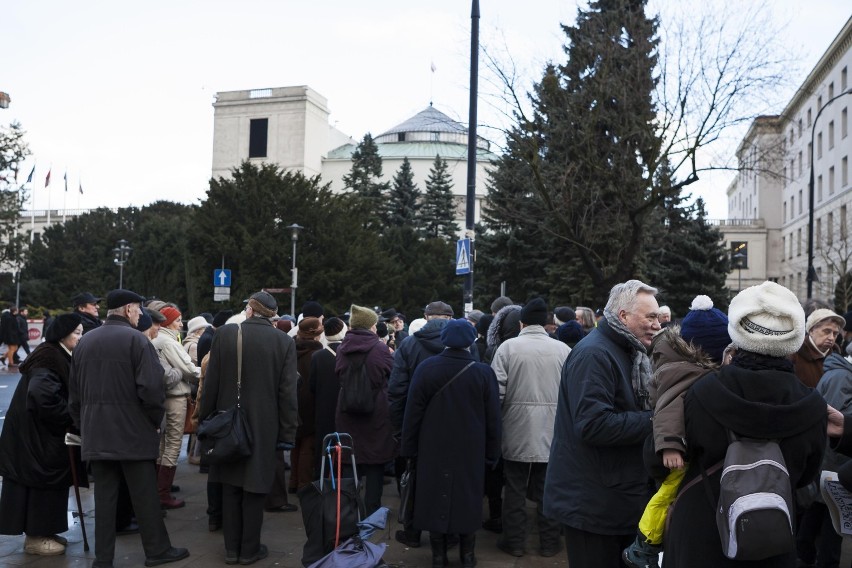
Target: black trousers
591 550
242 520
373 478
142 485
525 480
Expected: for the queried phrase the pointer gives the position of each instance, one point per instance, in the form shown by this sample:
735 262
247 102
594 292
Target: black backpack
754 513
356 390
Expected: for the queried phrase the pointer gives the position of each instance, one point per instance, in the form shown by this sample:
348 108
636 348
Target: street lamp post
294 234
121 252
811 271
738 262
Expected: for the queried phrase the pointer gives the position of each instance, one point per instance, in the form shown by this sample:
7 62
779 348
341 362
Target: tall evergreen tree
586 159
364 181
403 200
13 150
438 212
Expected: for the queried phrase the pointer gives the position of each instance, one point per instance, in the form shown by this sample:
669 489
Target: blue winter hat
570 332
706 327
458 334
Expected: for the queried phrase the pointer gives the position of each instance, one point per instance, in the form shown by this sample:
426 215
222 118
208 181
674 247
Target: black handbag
225 435
406 493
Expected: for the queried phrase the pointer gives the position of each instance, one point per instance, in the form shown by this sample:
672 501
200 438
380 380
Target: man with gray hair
596 484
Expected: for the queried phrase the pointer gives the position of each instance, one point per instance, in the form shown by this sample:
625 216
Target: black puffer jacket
506 325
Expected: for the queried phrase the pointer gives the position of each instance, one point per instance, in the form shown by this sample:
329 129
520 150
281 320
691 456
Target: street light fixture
121 252
294 234
811 271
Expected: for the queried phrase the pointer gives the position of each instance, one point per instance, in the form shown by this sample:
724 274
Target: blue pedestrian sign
463 257
222 277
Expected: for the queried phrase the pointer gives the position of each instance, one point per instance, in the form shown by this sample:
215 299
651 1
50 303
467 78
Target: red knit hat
171 315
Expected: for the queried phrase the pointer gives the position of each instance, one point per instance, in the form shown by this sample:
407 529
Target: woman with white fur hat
756 396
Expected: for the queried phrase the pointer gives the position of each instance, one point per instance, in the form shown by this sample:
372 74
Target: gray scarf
641 373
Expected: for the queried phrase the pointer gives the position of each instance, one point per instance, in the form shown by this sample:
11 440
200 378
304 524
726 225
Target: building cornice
829 59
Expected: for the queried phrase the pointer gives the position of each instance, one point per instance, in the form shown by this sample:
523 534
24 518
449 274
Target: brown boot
165 476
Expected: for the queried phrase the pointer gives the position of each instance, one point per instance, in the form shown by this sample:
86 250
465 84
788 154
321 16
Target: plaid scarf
641 373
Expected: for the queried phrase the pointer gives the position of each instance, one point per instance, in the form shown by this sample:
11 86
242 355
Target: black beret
62 326
118 298
310 309
222 317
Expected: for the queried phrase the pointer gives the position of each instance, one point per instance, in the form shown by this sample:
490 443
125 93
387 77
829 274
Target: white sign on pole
221 293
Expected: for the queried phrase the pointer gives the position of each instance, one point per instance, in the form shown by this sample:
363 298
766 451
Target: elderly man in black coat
116 380
268 397
452 394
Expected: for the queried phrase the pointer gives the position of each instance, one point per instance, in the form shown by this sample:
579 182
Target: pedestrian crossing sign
463 264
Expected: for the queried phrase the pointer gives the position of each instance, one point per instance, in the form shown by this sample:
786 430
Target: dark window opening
739 254
400 137
257 137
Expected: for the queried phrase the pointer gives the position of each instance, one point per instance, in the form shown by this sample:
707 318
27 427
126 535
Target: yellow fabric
653 521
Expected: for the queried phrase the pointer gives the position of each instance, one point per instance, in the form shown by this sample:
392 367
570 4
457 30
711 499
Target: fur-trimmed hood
506 325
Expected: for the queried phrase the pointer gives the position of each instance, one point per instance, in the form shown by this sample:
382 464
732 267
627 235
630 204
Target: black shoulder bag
225 435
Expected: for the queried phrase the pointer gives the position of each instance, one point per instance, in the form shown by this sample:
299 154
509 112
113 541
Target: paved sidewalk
283 533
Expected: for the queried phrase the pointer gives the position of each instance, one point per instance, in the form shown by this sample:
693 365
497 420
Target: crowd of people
596 416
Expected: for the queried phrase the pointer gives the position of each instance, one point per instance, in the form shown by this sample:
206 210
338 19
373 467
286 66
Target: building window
844 171
819 145
800 163
785 211
799 243
783 248
791 137
831 90
819 103
819 188
843 223
843 78
843 128
800 202
790 254
792 206
400 137
810 153
800 128
258 130
831 180
739 254
829 230
798 283
831 135
809 118
818 236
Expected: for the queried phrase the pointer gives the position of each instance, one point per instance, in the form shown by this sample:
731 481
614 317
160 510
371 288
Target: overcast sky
119 94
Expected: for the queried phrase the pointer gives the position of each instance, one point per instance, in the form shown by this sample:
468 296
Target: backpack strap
704 476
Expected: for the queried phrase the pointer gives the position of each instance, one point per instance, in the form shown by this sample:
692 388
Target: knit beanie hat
820 315
500 303
335 329
706 327
563 314
310 328
312 309
570 332
534 312
458 334
62 326
361 317
483 324
145 322
171 315
767 319
196 323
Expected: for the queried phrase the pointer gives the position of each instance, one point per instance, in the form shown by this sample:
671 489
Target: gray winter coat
528 368
835 386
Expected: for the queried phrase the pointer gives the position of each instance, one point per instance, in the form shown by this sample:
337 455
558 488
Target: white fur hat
196 323
767 319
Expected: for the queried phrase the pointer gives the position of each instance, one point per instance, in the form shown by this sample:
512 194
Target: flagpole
46 185
32 206
65 199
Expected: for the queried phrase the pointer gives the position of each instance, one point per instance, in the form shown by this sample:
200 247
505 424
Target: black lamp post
811 271
738 264
121 252
294 234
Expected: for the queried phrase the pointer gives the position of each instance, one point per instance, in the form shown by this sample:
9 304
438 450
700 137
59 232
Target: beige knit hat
362 318
822 314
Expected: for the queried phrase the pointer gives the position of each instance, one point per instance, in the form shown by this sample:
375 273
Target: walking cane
70 442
